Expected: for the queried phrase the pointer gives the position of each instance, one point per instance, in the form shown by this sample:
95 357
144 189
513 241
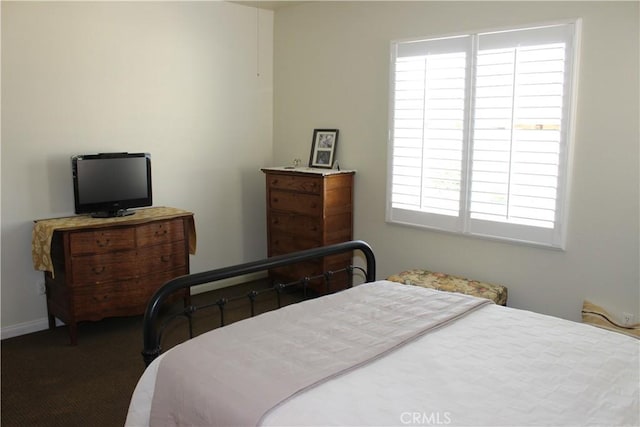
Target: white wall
332 70
177 79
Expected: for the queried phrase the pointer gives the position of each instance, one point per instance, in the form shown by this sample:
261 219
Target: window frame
463 224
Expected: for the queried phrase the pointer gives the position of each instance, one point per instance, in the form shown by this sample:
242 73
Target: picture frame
323 148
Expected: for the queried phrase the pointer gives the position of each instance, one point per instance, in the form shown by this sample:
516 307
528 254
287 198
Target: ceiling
270 5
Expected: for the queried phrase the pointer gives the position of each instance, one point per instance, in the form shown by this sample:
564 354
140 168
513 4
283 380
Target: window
480 133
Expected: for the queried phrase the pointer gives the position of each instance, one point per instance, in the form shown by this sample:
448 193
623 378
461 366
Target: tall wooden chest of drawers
113 269
308 208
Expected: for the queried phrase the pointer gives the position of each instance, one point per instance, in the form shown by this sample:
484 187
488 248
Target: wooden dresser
308 208
112 268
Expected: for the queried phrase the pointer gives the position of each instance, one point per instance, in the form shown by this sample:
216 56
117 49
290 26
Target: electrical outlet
627 318
41 289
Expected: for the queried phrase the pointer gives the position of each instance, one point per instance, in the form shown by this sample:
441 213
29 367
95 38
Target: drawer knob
165 258
103 243
161 233
98 270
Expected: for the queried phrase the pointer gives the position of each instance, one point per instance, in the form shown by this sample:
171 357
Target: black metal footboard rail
152 329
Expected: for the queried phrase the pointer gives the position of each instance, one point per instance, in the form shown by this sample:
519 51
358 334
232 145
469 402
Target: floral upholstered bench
449 283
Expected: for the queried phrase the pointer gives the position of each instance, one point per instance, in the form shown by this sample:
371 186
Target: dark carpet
47 382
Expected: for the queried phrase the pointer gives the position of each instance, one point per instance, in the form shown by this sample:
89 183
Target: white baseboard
26 328
42 324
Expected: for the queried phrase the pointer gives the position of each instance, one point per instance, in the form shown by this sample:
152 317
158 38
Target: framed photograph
323 148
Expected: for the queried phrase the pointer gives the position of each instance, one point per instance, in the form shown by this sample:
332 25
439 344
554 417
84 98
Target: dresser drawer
301 225
153 281
121 298
159 258
91 269
301 203
311 185
101 241
160 232
110 299
281 243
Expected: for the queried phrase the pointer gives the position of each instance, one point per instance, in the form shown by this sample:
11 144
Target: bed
385 354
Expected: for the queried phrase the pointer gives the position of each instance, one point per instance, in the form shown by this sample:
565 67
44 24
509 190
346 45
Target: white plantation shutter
429 129
479 133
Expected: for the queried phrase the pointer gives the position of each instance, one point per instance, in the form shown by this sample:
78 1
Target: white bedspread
496 366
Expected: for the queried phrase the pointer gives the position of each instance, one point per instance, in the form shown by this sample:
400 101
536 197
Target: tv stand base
112 214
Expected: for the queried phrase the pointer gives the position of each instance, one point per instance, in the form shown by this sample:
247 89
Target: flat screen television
107 184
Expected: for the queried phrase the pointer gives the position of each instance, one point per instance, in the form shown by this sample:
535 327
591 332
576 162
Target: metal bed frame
152 328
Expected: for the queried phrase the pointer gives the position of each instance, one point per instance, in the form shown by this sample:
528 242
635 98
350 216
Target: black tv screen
107 184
